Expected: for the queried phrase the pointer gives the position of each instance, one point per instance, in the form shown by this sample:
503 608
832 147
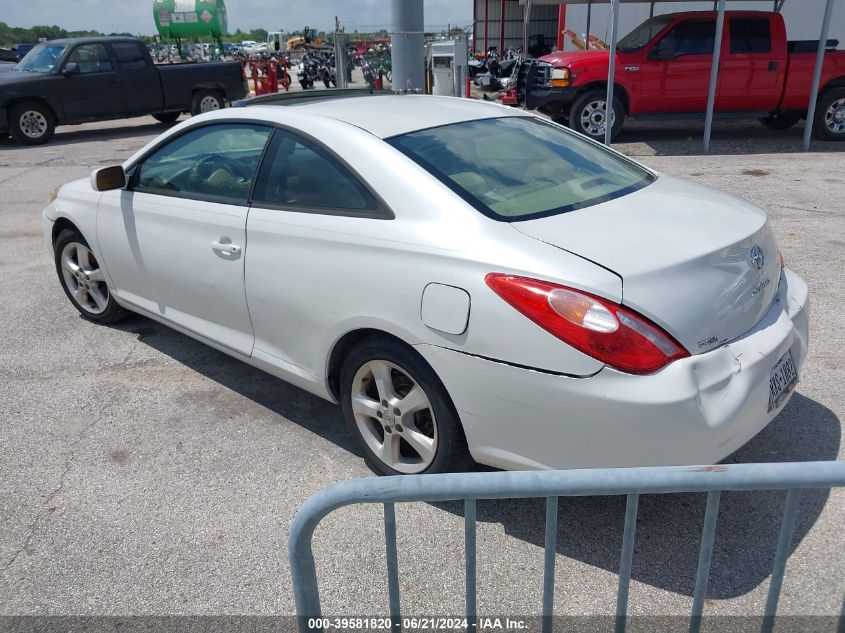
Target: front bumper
697 410
4 120
542 98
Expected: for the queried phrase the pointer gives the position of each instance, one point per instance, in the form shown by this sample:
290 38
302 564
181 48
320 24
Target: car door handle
228 248
773 67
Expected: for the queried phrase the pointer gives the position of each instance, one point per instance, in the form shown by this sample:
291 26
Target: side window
751 35
91 58
297 173
691 37
217 162
130 55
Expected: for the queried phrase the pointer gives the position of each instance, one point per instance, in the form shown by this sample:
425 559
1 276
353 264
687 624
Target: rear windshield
520 168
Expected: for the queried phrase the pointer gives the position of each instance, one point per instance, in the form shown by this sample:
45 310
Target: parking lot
142 472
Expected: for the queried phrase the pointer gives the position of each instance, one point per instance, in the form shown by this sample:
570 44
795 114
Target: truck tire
588 114
829 122
780 120
166 117
207 101
31 123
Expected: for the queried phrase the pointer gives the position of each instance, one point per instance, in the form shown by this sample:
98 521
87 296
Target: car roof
93 40
391 115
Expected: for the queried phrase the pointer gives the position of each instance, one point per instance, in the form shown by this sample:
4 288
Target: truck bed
799 75
178 81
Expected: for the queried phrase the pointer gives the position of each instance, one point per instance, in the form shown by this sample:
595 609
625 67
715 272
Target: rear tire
166 117
829 122
82 279
383 376
588 115
31 123
207 101
780 120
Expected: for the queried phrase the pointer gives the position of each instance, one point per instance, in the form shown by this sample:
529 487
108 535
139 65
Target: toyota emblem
756 257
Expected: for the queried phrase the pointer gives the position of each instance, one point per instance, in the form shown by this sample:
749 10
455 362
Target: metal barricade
632 482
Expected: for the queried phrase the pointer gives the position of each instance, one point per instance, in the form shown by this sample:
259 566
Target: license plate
782 380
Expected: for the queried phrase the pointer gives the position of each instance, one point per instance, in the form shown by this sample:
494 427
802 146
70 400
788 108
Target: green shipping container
181 19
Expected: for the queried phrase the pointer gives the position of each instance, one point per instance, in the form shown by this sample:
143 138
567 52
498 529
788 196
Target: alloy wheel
33 124
834 118
594 117
394 416
209 103
83 278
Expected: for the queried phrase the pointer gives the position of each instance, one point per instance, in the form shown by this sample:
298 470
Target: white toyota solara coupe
468 281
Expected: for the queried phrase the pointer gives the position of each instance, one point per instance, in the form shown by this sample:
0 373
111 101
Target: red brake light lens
600 328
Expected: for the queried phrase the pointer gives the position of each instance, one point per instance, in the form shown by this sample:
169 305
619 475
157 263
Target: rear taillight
600 328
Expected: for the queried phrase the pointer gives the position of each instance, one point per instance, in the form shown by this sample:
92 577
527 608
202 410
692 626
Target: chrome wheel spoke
81 296
390 449
96 275
99 298
362 405
69 265
83 256
422 444
414 401
384 380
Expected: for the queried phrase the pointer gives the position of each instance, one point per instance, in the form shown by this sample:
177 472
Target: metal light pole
526 19
714 75
817 73
611 70
406 38
339 55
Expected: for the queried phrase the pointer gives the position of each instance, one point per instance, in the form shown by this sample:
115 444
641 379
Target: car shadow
589 528
729 137
71 135
297 405
669 526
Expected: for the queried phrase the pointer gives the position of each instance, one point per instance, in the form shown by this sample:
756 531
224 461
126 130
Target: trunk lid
700 263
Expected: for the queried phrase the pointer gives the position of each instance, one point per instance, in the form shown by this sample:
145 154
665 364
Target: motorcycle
308 71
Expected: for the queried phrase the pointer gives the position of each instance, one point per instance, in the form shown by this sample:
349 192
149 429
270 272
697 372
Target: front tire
166 117
31 123
588 115
399 412
829 121
207 101
83 280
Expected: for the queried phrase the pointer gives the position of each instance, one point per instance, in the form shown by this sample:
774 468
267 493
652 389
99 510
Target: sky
136 16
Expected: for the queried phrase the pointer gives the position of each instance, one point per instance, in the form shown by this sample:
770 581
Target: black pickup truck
95 79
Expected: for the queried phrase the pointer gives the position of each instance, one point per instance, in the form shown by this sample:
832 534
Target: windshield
41 59
643 34
519 168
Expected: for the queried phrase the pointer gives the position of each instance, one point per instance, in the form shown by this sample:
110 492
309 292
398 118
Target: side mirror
108 178
71 68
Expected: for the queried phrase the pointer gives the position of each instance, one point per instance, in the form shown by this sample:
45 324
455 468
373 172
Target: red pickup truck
663 70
